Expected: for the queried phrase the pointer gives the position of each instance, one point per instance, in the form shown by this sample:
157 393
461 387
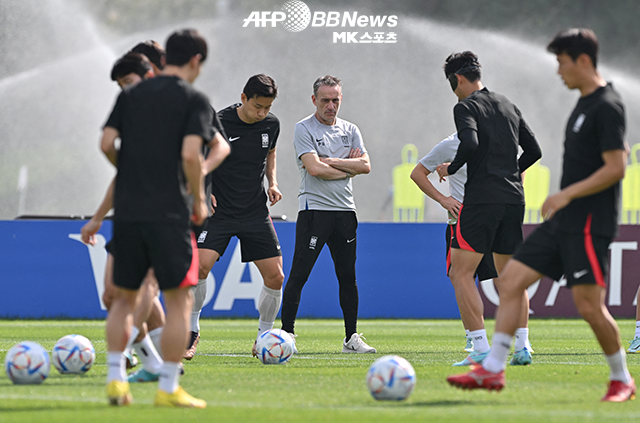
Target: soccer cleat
142 376
469 347
193 344
521 358
294 336
619 391
356 344
634 348
473 358
478 378
132 360
179 398
119 393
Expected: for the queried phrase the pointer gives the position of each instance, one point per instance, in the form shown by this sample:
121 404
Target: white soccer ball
73 354
274 346
391 378
27 363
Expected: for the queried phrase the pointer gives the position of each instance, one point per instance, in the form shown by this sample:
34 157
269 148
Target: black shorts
581 258
258 239
487 228
485 270
169 248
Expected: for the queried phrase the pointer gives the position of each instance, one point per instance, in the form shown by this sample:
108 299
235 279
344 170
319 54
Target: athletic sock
522 338
466 332
199 295
134 334
496 361
116 368
480 341
169 377
637 329
618 366
147 353
268 307
156 336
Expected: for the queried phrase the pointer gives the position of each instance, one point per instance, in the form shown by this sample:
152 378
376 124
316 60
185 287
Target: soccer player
154 52
159 190
149 317
329 152
580 220
490 129
240 198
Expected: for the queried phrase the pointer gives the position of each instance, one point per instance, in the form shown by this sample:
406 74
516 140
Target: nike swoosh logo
578 275
349 241
232 139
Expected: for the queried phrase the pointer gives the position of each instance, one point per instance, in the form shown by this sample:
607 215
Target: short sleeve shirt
238 183
444 152
152 119
336 141
596 125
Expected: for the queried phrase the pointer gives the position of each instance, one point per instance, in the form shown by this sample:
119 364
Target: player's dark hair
183 44
465 64
260 85
130 63
328 80
153 50
574 42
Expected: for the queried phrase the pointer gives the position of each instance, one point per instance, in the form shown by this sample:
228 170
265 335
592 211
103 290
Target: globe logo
298 15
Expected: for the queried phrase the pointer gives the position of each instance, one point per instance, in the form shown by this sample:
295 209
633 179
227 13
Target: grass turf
565 383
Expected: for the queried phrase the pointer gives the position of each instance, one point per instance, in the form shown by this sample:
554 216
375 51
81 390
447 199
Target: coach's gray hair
329 80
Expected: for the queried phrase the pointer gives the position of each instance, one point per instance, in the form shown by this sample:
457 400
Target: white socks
169 377
199 295
480 341
155 336
496 361
134 334
147 353
637 329
522 339
268 306
116 368
618 366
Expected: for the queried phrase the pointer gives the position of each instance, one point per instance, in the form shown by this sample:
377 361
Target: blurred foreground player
159 191
581 220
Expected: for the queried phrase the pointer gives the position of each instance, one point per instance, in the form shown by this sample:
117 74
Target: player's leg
311 235
143 344
342 243
516 277
271 295
634 344
109 287
590 302
448 239
175 278
522 355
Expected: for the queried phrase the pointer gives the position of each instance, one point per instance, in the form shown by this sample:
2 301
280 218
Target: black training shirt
238 183
490 129
152 118
596 125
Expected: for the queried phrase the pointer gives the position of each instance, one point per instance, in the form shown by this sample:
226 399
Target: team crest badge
345 140
265 140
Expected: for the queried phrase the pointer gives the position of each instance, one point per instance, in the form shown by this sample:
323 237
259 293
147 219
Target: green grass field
564 384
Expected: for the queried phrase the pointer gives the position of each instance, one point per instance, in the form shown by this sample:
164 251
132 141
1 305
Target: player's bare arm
219 149
611 172
321 170
273 192
420 175
192 163
93 225
108 144
357 163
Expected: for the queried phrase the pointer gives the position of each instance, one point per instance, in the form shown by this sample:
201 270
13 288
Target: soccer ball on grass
274 346
27 363
73 354
391 378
